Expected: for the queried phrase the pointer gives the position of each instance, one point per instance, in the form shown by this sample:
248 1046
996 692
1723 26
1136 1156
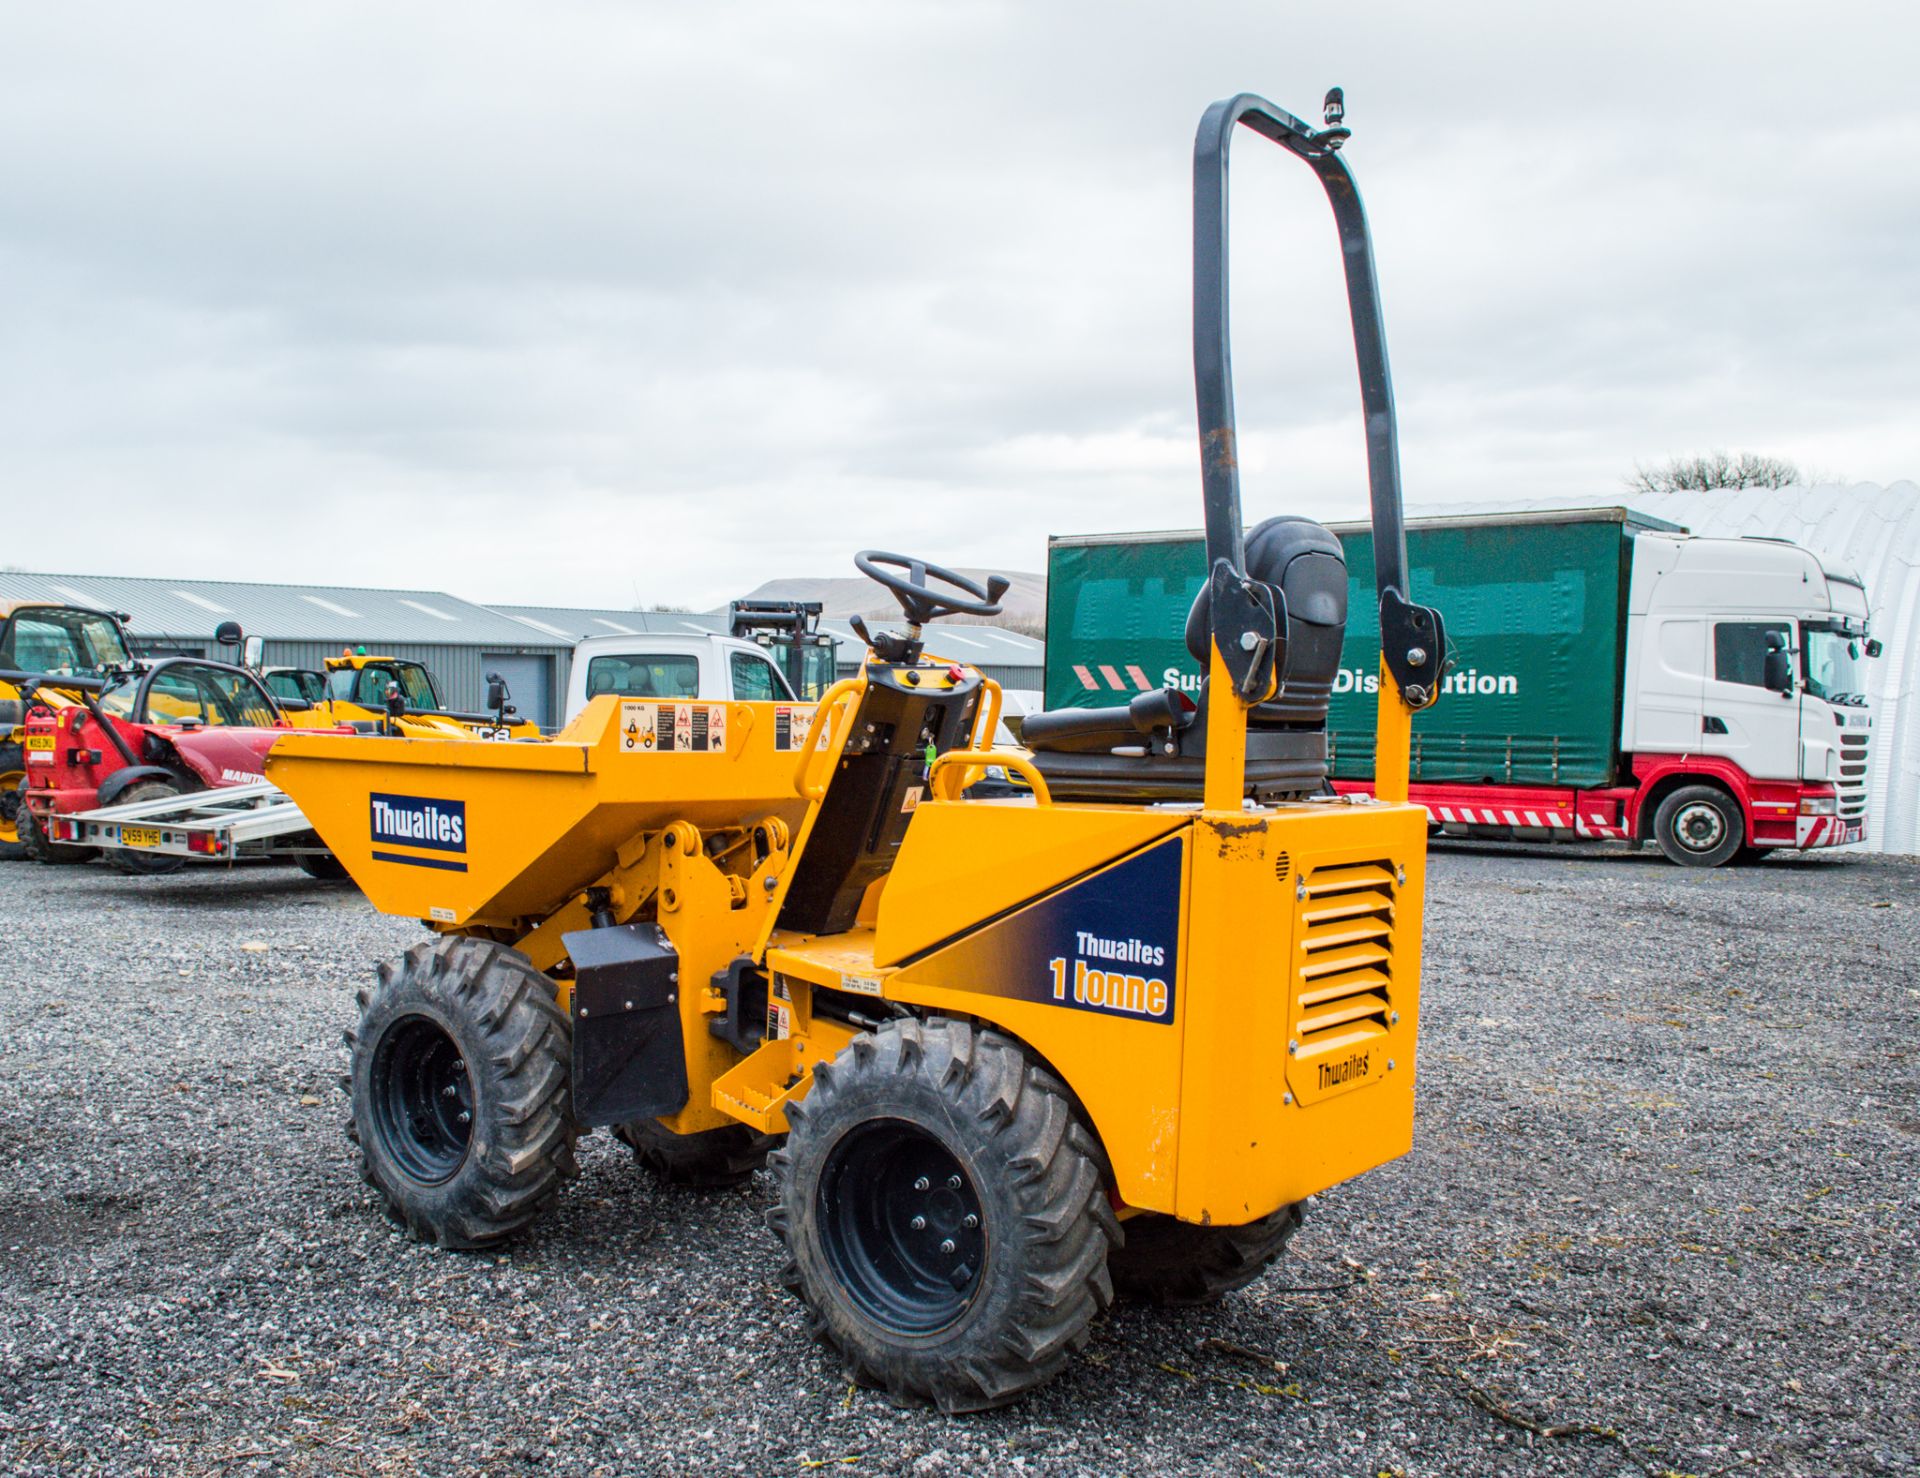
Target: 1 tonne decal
1106 944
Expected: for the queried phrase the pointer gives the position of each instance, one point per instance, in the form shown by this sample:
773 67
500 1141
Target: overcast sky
622 303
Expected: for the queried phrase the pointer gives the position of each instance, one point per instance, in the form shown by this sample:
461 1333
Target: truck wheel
34 843
324 866
944 1215
1166 1261
13 799
458 1076
706 1161
145 864
1699 826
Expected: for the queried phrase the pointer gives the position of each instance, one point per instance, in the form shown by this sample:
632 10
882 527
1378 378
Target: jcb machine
1023 1053
385 693
789 631
44 647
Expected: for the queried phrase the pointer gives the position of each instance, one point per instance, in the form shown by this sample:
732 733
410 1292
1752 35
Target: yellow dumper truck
1010 1055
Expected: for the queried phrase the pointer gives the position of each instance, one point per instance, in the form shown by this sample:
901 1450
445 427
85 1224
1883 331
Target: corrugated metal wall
460 671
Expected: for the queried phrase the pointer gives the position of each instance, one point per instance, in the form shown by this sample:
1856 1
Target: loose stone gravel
1662 1206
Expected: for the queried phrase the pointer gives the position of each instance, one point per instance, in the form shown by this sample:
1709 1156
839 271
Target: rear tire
944 1215
458 1074
1166 1261
1699 826
144 864
34 843
711 1160
322 867
13 796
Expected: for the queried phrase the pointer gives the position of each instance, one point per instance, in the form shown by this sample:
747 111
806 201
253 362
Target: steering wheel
921 604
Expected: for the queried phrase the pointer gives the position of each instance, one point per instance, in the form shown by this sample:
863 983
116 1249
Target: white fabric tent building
1873 529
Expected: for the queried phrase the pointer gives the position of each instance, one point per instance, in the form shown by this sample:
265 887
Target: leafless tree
1714 470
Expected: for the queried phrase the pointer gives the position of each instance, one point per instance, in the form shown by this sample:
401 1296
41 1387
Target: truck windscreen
1835 664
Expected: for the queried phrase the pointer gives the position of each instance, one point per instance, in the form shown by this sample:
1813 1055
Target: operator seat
1154 749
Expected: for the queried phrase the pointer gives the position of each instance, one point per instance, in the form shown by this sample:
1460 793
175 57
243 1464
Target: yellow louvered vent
1343 983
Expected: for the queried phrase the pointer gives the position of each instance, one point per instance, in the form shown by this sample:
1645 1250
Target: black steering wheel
921 604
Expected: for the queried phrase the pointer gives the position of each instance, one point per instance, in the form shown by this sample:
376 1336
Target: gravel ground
1660 1219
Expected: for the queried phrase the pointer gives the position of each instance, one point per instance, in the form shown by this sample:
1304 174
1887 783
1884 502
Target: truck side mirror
228 634
254 649
497 693
1777 674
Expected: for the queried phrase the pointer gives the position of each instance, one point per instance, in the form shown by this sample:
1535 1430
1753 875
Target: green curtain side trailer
1611 676
1536 608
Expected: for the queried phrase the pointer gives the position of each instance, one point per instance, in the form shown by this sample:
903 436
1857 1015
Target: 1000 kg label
1112 991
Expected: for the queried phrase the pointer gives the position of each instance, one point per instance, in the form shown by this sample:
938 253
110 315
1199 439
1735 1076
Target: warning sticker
637 727
690 728
790 724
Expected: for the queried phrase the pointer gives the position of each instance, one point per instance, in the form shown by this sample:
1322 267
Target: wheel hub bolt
923 1184
465 1117
947 1246
972 1221
953 1182
460 1065
919 1223
449 1091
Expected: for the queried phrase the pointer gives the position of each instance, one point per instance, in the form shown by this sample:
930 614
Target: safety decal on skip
790 724
689 728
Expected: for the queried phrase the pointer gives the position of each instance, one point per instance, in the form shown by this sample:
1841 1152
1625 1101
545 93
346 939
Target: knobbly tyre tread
13 796
517 1043
144 864
1045 1280
34 843
1172 1262
711 1160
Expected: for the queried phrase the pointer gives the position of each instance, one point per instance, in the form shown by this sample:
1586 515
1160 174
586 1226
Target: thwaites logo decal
421 823
1106 944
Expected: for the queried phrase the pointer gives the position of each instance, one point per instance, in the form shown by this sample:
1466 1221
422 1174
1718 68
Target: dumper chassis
1010 1056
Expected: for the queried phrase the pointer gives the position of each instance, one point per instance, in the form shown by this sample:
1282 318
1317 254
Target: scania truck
1612 676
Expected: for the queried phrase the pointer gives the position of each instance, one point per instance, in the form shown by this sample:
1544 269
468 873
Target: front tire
145 864
1699 826
1174 1262
459 1079
944 1215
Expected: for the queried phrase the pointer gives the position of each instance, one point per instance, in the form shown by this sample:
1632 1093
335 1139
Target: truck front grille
1853 771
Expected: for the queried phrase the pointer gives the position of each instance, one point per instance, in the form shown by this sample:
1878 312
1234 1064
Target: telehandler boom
1011 1055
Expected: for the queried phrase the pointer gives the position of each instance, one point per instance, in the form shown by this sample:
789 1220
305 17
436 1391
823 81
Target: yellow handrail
808 788
956 762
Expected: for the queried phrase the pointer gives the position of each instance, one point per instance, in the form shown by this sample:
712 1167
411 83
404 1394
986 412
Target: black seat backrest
1306 562
871 794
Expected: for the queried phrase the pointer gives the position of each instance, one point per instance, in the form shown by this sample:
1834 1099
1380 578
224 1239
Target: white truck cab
1750 652
672 667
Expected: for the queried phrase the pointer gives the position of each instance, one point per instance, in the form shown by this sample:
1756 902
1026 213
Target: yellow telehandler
392 694
1010 1055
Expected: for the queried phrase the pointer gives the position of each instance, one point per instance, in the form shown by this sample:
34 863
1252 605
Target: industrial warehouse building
458 641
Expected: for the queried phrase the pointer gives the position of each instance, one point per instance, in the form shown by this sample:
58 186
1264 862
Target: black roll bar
1213 371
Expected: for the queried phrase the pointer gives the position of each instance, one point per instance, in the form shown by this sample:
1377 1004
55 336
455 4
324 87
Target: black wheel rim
901 1226
421 1096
